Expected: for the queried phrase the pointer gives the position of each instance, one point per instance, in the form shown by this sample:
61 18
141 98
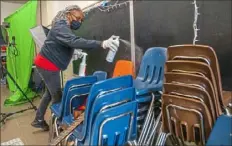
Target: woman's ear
69 20
68 16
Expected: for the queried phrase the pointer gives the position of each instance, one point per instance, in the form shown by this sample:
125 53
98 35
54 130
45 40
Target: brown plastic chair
123 67
197 68
205 54
194 80
186 118
191 92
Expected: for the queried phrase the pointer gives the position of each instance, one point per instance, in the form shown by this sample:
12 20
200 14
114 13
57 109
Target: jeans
52 93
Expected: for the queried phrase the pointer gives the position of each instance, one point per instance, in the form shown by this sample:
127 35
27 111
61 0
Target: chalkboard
100 26
215 31
163 23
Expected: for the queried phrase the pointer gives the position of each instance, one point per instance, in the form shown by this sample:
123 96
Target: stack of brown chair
192 96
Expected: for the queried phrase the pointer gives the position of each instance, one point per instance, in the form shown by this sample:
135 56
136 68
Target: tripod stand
4 116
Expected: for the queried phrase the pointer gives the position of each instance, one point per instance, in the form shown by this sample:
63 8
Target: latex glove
112 43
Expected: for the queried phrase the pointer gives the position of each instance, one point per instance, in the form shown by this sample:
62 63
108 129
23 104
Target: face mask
75 25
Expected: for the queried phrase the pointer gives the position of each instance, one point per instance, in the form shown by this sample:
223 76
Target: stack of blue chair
110 103
73 93
150 82
113 106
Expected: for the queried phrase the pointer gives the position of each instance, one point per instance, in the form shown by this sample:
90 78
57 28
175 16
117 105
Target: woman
56 54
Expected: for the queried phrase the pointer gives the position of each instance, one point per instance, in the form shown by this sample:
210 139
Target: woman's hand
112 43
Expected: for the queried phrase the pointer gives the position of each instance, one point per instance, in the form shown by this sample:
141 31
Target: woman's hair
61 15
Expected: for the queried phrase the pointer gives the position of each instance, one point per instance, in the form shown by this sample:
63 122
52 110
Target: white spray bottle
82 66
111 54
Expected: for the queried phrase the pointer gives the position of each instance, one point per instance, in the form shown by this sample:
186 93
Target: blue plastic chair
101 100
149 79
97 88
109 100
105 101
57 108
75 98
221 134
151 72
114 126
101 75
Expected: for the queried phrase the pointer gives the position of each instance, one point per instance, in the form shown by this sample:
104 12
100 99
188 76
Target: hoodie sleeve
64 35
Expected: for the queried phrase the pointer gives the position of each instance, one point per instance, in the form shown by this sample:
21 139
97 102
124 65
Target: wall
49 10
172 25
165 23
8 8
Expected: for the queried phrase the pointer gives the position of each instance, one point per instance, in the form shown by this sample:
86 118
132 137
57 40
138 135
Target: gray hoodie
61 42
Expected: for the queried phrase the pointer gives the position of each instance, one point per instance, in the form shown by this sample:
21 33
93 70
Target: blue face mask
75 25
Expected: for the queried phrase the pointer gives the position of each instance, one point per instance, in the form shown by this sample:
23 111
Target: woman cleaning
56 54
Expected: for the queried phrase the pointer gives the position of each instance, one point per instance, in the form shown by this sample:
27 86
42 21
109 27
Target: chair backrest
191 92
189 67
101 75
205 53
75 98
186 118
114 126
197 81
198 68
221 133
109 100
100 87
124 67
152 66
73 83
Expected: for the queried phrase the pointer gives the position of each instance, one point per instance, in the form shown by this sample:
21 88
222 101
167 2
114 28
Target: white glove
112 43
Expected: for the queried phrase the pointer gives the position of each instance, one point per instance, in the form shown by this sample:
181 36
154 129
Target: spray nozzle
115 37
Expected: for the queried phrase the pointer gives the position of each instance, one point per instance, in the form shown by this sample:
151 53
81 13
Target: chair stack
74 94
192 94
148 85
110 114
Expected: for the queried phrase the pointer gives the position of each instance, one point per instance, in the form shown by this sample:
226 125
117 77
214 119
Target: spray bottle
82 66
111 54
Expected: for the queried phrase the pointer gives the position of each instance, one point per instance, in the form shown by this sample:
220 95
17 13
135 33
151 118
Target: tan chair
197 81
197 68
191 92
200 53
186 118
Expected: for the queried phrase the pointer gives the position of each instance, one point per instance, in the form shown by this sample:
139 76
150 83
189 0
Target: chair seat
55 108
68 120
144 88
222 132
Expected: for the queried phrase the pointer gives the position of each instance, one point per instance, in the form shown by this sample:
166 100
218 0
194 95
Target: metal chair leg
66 139
147 119
152 136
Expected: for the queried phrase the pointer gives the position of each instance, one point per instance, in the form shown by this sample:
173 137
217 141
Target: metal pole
132 33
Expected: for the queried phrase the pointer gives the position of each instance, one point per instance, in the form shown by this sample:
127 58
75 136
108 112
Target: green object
76 64
19 61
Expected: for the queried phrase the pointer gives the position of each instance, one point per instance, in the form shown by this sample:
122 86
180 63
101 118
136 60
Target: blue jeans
52 93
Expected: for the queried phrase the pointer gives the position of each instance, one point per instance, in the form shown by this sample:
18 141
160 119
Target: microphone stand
4 116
